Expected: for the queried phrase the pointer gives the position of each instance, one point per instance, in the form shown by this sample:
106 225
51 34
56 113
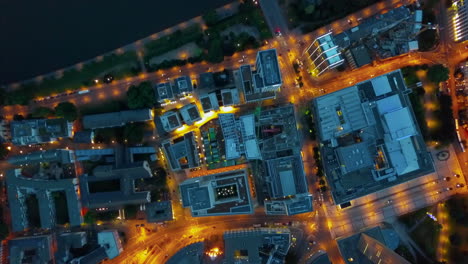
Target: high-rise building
324 54
458 20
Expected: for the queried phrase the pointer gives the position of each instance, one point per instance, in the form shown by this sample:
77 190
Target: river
40 36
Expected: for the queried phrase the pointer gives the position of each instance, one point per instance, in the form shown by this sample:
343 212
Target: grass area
403 251
426 235
124 65
32 206
104 186
61 208
419 112
172 41
426 231
311 16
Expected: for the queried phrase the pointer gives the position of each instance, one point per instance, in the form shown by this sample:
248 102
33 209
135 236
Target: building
36 249
381 36
206 81
458 20
369 138
191 254
182 86
277 132
261 245
158 212
4 131
85 137
170 121
66 242
96 256
209 102
182 153
230 97
324 54
62 156
163 92
372 246
110 241
287 186
190 114
320 257
111 187
217 194
116 119
239 136
262 83
19 188
37 131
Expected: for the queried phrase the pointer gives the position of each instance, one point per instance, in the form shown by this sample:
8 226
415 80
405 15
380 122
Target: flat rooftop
35 131
217 194
285 176
370 139
190 113
267 60
116 119
182 153
163 91
170 121
257 245
159 211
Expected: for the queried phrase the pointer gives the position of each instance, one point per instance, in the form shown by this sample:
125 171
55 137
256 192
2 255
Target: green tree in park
66 110
134 132
211 18
438 73
140 96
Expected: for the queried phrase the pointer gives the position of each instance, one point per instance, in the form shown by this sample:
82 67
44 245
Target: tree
141 96
438 73
90 217
42 112
215 51
3 231
18 117
211 18
66 110
3 151
134 132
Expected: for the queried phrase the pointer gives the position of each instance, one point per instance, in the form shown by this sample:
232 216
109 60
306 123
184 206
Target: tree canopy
3 151
42 112
438 73
66 110
140 96
134 132
211 17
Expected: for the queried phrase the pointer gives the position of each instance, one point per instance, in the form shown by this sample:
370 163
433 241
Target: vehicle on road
83 91
278 32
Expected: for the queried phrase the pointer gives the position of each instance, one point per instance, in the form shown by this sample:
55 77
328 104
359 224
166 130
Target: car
108 78
278 32
460 185
448 188
312 242
456 175
447 179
